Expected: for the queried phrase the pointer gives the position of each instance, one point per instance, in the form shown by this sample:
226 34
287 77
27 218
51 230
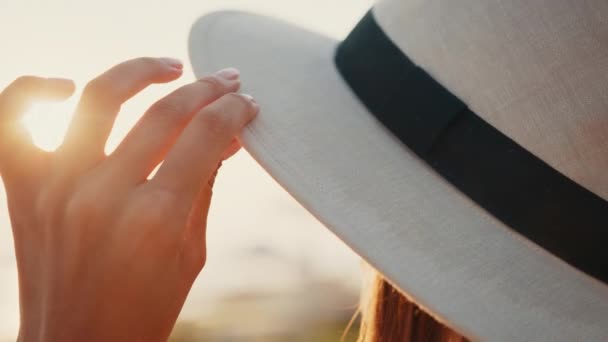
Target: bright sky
78 39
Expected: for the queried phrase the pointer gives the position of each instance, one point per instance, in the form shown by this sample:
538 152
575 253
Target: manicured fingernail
252 100
229 73
172 62
249 97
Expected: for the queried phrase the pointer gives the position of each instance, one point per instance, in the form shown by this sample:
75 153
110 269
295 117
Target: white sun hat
460 147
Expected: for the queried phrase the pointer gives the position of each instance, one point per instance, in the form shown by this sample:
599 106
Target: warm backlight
48 122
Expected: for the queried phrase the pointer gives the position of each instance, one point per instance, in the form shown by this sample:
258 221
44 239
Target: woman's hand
103 253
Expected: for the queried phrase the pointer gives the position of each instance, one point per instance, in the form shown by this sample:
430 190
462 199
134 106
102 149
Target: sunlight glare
48 122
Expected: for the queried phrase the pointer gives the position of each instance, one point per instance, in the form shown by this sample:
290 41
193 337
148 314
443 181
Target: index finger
198 151
101 100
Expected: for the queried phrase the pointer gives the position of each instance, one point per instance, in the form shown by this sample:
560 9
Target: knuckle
20 85
214 121
23 81
97 89
153 210
213 83
84 207
192 252
201 261
240 102
196 259
171 106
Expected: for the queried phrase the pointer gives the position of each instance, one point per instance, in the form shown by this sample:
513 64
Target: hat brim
433 243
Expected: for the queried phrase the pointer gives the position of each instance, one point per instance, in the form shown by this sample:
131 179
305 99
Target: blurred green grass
330 332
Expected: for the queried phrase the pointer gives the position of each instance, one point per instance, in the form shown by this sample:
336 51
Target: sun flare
48 122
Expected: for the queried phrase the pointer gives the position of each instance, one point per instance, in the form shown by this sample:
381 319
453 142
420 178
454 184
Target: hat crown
535 70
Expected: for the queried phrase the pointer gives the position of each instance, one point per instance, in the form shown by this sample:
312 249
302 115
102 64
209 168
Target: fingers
147 144
232 149
198 151
19 94
15 143
101 101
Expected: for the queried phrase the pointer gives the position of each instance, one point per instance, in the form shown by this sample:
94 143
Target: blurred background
273 272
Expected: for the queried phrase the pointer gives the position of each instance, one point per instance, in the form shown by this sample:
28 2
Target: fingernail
249 97
229 73
252 100
172 62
